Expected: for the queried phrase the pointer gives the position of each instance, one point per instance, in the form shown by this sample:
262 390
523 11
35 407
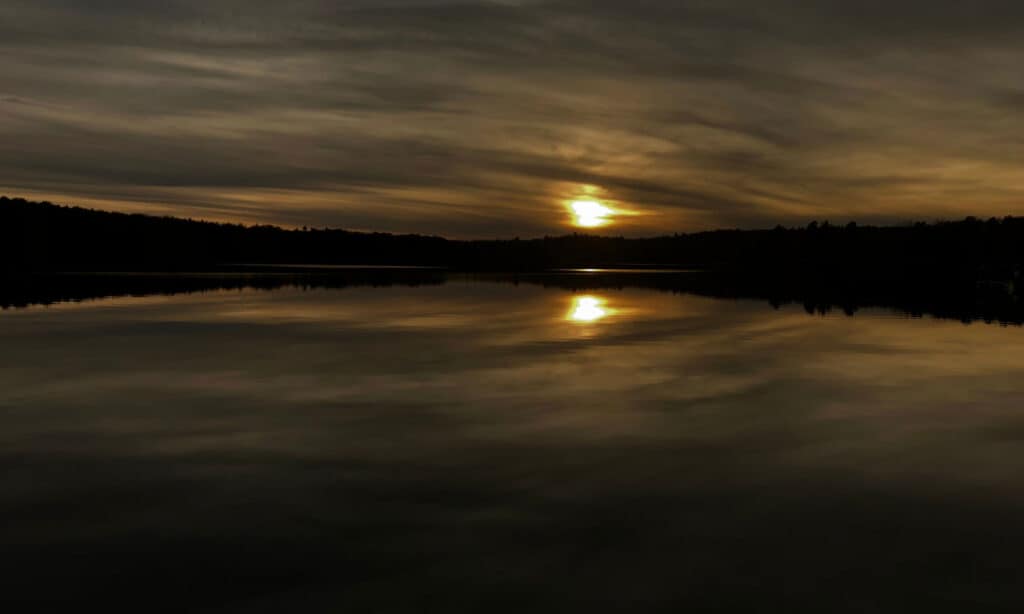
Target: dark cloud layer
483 118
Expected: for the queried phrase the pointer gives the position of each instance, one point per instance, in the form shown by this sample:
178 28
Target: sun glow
590 213
587 309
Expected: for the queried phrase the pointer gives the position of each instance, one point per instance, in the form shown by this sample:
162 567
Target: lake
470 444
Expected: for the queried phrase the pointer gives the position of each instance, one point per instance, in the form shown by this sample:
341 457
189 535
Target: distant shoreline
43 237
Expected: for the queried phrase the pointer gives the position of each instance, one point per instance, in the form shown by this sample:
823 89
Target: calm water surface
489 447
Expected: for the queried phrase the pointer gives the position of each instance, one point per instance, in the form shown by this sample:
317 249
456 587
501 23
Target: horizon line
819 224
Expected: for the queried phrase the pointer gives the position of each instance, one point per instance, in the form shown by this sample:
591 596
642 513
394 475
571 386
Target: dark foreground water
486 447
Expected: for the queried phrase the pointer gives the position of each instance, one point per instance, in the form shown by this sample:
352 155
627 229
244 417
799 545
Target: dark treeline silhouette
41 237
37 237
966 302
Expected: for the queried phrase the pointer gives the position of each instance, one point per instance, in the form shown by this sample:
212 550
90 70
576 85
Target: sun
590 213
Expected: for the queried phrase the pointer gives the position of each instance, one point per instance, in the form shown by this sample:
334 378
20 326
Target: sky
491 118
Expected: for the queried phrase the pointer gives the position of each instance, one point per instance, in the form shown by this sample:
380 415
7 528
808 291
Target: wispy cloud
478 118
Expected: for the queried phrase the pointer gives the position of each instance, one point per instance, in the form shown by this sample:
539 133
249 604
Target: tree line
43 237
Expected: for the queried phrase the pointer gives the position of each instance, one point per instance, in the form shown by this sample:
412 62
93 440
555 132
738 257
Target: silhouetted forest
42 237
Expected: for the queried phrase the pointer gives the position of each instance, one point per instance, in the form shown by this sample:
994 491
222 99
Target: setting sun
590 214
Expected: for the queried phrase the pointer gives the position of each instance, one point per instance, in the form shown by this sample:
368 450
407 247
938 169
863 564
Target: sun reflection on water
587 309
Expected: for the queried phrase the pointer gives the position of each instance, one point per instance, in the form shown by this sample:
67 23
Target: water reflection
588 309
966 303
468 447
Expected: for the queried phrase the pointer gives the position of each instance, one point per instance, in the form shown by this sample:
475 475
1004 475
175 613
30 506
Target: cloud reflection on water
463 441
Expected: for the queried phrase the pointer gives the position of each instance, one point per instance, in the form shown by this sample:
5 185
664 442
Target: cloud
479 118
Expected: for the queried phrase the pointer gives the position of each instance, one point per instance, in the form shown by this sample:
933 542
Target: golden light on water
587 309
590 213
